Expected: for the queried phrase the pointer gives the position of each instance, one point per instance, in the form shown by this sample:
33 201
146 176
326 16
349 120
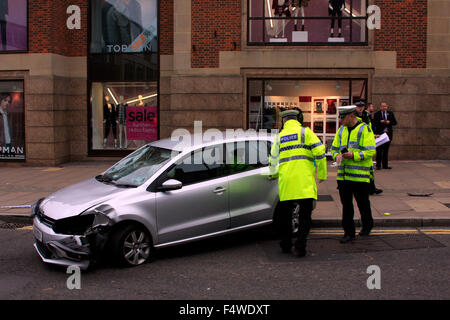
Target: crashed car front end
72 241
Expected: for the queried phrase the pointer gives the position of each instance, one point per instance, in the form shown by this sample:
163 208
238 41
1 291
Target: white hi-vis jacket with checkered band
294 154
362 144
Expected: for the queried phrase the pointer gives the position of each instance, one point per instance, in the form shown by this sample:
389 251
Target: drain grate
12 226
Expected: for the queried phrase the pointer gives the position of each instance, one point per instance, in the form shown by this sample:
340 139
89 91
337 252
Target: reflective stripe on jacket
292 157
362 144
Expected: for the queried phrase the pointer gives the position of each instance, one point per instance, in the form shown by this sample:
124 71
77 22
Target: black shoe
389 168
378 168
303 27
339 35
346 239
378 191
364 233
300 252
295 28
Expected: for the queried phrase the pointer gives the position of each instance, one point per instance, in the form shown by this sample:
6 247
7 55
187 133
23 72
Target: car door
200 207
252 194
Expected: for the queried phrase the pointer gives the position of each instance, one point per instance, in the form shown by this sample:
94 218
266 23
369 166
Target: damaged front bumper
66 250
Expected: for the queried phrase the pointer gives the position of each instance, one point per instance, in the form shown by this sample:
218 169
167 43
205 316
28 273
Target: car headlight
35 207
91 219
77 225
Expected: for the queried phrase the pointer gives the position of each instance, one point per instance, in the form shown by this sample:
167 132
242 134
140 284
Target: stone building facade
210 70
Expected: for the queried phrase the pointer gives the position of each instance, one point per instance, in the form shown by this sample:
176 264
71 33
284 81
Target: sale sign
142 123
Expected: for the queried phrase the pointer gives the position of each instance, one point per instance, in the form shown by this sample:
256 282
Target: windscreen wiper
102 178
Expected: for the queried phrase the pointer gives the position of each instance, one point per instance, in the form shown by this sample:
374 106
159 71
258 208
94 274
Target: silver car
162 194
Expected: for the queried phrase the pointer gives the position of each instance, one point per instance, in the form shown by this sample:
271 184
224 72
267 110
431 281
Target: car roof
193 141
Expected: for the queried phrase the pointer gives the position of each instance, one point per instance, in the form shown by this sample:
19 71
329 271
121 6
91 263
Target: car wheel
131 246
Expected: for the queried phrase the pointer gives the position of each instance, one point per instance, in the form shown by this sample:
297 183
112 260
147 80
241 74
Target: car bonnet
75 199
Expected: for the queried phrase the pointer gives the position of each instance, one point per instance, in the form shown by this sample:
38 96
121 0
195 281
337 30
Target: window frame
27 50
263 18
93 79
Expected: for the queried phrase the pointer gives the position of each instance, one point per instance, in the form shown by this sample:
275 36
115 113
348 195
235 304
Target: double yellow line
376 232
384 231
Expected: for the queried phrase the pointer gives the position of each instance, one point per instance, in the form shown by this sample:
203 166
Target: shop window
13 26
124 26
307 22
316 99
124 115
12 121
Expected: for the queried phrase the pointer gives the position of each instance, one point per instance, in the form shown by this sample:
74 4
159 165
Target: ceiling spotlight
268 87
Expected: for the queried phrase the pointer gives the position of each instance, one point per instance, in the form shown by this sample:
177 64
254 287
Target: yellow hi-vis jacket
292 157
362 144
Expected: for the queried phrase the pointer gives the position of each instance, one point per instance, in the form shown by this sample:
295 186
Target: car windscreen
138 167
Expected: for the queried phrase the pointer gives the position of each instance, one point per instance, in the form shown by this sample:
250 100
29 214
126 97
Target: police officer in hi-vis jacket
353 148
294 155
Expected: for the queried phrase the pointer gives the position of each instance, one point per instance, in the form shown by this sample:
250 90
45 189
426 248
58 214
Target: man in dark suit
384 120
3 20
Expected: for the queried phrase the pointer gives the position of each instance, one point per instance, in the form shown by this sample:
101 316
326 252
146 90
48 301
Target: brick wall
404 30
48 32
166 26
216 26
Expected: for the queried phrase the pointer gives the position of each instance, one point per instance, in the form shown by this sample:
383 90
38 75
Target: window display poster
142 123
13 25
12 138
124 26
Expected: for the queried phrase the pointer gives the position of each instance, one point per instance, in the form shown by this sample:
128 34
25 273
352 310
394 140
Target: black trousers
108 126
360 190
333 14
287 209
3 34
383 155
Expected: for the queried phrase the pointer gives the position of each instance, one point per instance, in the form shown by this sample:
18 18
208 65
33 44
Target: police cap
344 110
360 103
288 113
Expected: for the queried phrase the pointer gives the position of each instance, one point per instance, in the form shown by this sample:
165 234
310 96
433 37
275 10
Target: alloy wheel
136 247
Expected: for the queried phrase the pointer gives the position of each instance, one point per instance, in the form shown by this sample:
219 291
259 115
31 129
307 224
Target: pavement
415 193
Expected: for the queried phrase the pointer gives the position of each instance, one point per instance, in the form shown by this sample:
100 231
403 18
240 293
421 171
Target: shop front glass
316 99
12 121
124 115
307 22
123 73
13 26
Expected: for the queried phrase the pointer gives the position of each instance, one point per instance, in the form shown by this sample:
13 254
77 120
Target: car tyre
131 246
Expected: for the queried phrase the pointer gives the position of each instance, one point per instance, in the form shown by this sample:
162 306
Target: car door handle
219 190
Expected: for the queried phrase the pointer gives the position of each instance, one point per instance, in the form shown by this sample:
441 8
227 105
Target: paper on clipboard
381 140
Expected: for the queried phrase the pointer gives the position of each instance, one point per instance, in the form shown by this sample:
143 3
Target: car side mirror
170 185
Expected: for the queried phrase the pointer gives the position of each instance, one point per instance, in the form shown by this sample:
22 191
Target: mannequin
299 6
5 124
335 8
281 7
109 120
122 114
141 102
